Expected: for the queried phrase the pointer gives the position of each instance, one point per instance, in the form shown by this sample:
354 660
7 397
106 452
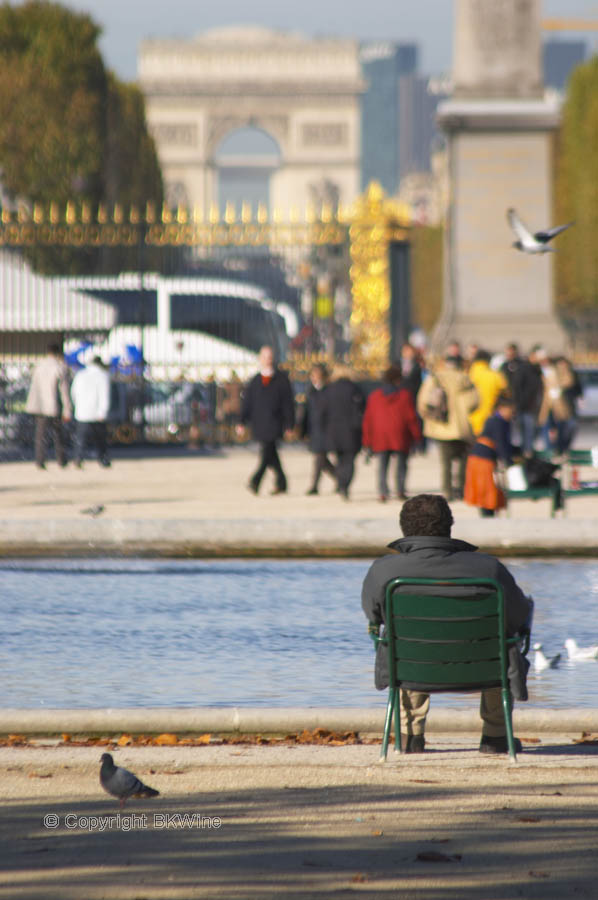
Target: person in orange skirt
491 446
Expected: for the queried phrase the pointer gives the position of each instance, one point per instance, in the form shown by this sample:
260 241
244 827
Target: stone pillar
499 128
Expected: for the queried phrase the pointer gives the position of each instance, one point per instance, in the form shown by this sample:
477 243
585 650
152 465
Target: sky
126 23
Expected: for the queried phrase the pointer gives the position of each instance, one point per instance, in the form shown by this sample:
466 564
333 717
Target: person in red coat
390 425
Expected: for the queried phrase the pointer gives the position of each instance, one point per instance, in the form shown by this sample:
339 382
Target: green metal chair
445 635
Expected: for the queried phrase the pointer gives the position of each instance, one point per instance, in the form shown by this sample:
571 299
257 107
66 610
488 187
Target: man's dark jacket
342 413
445 557
269 408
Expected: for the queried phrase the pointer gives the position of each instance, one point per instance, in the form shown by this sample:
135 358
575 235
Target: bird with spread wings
529 242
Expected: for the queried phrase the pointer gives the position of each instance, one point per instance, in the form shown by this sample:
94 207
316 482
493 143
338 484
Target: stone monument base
493 332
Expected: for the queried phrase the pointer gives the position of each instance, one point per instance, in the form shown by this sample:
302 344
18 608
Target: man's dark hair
482 355
426 514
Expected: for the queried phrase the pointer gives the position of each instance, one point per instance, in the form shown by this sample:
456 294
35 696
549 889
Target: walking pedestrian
451 429
49 401
90 393
342 413
492 446
312 426
391 427
268 407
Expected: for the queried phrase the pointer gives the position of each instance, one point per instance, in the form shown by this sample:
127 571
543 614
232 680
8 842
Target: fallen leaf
124 740
377 833
528 819
40 775
66 737
359 877
538 874
17 739
435 856
165 739
203 739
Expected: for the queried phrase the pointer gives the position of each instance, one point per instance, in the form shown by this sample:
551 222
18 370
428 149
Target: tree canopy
69 129
576 194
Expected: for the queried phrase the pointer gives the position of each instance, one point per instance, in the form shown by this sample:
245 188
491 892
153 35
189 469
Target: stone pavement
174 501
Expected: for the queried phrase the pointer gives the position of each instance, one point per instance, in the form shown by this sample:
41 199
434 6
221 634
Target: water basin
120 633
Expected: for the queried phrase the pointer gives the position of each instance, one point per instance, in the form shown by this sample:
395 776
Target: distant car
170 408
587 405
16 426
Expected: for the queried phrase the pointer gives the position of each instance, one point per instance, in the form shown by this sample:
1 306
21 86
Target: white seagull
541 662
532 243
576 652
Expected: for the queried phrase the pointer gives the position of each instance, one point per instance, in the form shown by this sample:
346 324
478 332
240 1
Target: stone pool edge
268 720
277 538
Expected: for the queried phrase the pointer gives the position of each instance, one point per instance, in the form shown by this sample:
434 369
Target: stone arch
245 161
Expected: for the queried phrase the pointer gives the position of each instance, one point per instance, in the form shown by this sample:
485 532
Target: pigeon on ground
93 510
121 783
576 652
532 243
541 662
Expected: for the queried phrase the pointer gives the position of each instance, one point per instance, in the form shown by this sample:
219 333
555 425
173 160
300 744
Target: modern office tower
382 64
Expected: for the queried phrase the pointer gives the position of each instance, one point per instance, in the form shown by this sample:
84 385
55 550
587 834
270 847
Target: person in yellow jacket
489 385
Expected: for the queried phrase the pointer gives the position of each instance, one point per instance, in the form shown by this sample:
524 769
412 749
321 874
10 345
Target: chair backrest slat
453 637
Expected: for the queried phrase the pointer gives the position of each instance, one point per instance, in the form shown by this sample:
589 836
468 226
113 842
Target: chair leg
398 746
388 722
506 705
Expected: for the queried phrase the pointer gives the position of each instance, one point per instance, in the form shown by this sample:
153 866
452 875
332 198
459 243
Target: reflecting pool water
113 632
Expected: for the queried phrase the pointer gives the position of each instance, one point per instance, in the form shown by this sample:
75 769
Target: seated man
428 551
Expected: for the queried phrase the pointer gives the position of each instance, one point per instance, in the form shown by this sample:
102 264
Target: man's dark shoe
252 486
278 490
413 743
498 744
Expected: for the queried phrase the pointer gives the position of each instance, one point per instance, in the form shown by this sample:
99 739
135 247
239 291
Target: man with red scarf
269 408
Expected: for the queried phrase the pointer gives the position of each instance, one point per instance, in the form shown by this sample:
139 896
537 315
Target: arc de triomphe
304 93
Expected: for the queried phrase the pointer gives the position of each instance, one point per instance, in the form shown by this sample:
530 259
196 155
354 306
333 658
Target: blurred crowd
468 400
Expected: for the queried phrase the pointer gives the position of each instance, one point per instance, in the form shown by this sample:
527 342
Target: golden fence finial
134 217
23 213
71 213
117 216
181 215
197 215
6 216
86 214
246 212
150 213
262 213
214 216
230 213
38 213
102 214
54 214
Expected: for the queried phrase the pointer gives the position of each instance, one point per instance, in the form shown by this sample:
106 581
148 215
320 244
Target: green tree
69 130
576 192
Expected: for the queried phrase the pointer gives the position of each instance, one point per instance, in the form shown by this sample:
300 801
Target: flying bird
121 783
532 243
576 652
541 662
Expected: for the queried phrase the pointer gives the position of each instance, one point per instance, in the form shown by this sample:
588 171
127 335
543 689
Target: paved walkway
182 502
304 822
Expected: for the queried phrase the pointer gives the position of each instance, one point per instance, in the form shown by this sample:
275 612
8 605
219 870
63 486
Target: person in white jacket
90 393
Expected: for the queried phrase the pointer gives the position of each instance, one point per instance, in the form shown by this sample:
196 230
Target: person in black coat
427 550
342 412
312 425
268 407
